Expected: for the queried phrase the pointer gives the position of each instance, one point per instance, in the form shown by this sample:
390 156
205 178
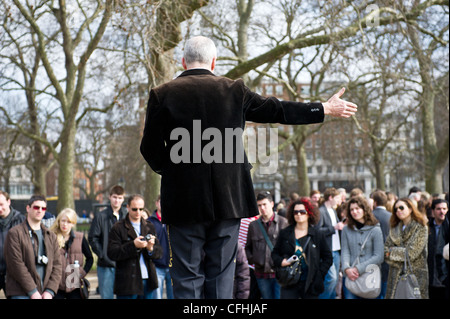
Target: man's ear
183 62
213 63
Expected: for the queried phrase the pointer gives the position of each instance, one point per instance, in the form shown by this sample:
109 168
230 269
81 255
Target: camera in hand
146 237
42 260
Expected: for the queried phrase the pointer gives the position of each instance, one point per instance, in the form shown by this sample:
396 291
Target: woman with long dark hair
362 229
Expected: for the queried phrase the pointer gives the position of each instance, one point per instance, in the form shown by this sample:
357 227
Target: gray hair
199 49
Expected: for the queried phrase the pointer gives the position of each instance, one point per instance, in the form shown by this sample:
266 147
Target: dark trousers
75 294
296 292
202 259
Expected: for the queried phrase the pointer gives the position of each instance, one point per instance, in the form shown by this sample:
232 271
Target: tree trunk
302 171
435 158
66 168
379 165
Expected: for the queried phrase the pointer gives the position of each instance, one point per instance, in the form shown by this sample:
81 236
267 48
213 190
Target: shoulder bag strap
407 263
304 249
362 247
269 243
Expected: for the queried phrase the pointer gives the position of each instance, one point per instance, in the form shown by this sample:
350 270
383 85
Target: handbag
368 284
408 285
289 275
84 288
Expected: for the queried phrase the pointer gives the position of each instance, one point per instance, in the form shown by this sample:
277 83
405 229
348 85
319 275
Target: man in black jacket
9 217
98 239
134 246
206 190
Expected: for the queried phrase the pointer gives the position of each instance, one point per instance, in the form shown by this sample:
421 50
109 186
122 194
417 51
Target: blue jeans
106 281
269 288
332 277
148 294
163 276
19 297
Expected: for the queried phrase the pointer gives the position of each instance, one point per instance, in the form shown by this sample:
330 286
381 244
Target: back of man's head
379 198
199 50
333 192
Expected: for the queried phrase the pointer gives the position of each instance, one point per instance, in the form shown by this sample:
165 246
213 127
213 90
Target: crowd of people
336 239
340 239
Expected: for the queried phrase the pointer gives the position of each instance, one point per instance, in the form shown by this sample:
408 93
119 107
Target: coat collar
130 228
400 235
196 72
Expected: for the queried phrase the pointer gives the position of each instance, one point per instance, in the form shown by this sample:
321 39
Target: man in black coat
206 185
98 239
133 245
383 216
9 217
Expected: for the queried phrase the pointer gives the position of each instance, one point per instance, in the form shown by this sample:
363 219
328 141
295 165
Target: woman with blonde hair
408 236
73 248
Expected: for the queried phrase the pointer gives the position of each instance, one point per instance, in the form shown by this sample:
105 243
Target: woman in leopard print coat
408 230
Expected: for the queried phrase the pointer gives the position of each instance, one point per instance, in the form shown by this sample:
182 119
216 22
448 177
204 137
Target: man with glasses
33 265
133 245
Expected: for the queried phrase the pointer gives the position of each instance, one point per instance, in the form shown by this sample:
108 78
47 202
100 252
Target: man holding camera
132 245
33 265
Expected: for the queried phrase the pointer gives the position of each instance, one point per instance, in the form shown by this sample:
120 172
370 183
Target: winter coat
98 235
161 233
22 278
76 248
121 249
241 288
351 242
415 238
319 257
216 189
257 250
14 218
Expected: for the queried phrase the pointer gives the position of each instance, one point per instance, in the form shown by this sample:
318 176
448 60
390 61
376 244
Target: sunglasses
399 207
39 207
301 212
136 209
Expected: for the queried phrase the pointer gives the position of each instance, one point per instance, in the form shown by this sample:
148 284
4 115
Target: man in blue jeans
98 239
162 264
257 250
329 223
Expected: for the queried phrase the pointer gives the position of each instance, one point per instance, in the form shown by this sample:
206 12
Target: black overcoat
197 191
121 249
318 256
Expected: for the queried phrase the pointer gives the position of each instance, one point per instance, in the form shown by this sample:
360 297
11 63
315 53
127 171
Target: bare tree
71 32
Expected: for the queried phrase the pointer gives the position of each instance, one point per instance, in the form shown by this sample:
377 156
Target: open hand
339 108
